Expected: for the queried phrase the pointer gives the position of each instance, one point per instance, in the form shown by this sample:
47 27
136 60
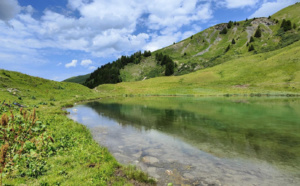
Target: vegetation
78 79
227 49
110 72
233 41
251 48
258 33
224 31
41 146
206 49
270 73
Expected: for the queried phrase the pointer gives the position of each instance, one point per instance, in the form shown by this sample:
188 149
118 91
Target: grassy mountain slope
72 157
208 48
77 79
275 72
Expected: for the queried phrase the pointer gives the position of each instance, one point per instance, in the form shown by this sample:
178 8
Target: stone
150 160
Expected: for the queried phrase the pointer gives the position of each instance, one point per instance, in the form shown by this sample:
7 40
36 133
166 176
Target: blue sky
58 39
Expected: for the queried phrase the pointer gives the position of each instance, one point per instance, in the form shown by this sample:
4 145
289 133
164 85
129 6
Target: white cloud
269 8
73 63
86 62
9 9
92 68
59 64
240 3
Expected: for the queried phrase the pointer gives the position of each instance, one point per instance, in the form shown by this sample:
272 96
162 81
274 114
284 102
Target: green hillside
276 72
78 79
209 47
216 45
41 146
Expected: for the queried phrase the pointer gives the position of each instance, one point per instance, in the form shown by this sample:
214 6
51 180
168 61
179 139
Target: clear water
201 141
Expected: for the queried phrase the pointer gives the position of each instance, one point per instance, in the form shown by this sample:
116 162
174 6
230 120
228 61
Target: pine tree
257 33
233 41
229 25
169 68
288 25
251 39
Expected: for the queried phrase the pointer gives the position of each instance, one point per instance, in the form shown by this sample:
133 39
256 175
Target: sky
58 39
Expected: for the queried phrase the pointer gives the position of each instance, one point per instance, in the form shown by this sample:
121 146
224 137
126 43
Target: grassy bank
52 150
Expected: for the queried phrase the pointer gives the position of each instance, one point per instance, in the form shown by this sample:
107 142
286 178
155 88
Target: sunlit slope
77 79
15 86
276 72
208 48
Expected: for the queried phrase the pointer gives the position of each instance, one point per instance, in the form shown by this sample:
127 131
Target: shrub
251 48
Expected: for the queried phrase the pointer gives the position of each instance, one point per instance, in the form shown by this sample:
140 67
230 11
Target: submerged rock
150 160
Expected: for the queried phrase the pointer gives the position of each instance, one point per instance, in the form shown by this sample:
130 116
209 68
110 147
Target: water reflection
227 135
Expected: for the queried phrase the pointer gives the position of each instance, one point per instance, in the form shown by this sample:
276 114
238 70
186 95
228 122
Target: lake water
201 141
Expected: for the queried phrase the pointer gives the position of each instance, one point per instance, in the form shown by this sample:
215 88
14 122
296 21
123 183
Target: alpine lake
200 140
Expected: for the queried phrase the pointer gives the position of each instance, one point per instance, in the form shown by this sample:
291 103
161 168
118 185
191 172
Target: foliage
25 143
167 61
229 25
147 53
224 31
286 25
233 41
110 72
251 48
258 33
251 39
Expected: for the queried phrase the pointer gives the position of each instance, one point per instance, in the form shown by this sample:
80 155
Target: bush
251 39
251 48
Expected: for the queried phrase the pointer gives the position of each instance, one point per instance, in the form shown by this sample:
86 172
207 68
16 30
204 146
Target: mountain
78 79
272 68
216 45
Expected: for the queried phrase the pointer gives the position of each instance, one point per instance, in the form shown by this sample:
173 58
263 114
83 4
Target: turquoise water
232 141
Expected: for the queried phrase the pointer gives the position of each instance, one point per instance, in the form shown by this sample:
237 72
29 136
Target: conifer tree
251 39
233 41
229 25
257 33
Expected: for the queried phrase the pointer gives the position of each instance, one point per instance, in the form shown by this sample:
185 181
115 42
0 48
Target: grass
275 73
212 44
75 158
77 79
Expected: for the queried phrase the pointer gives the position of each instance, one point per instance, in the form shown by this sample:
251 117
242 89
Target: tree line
110 72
